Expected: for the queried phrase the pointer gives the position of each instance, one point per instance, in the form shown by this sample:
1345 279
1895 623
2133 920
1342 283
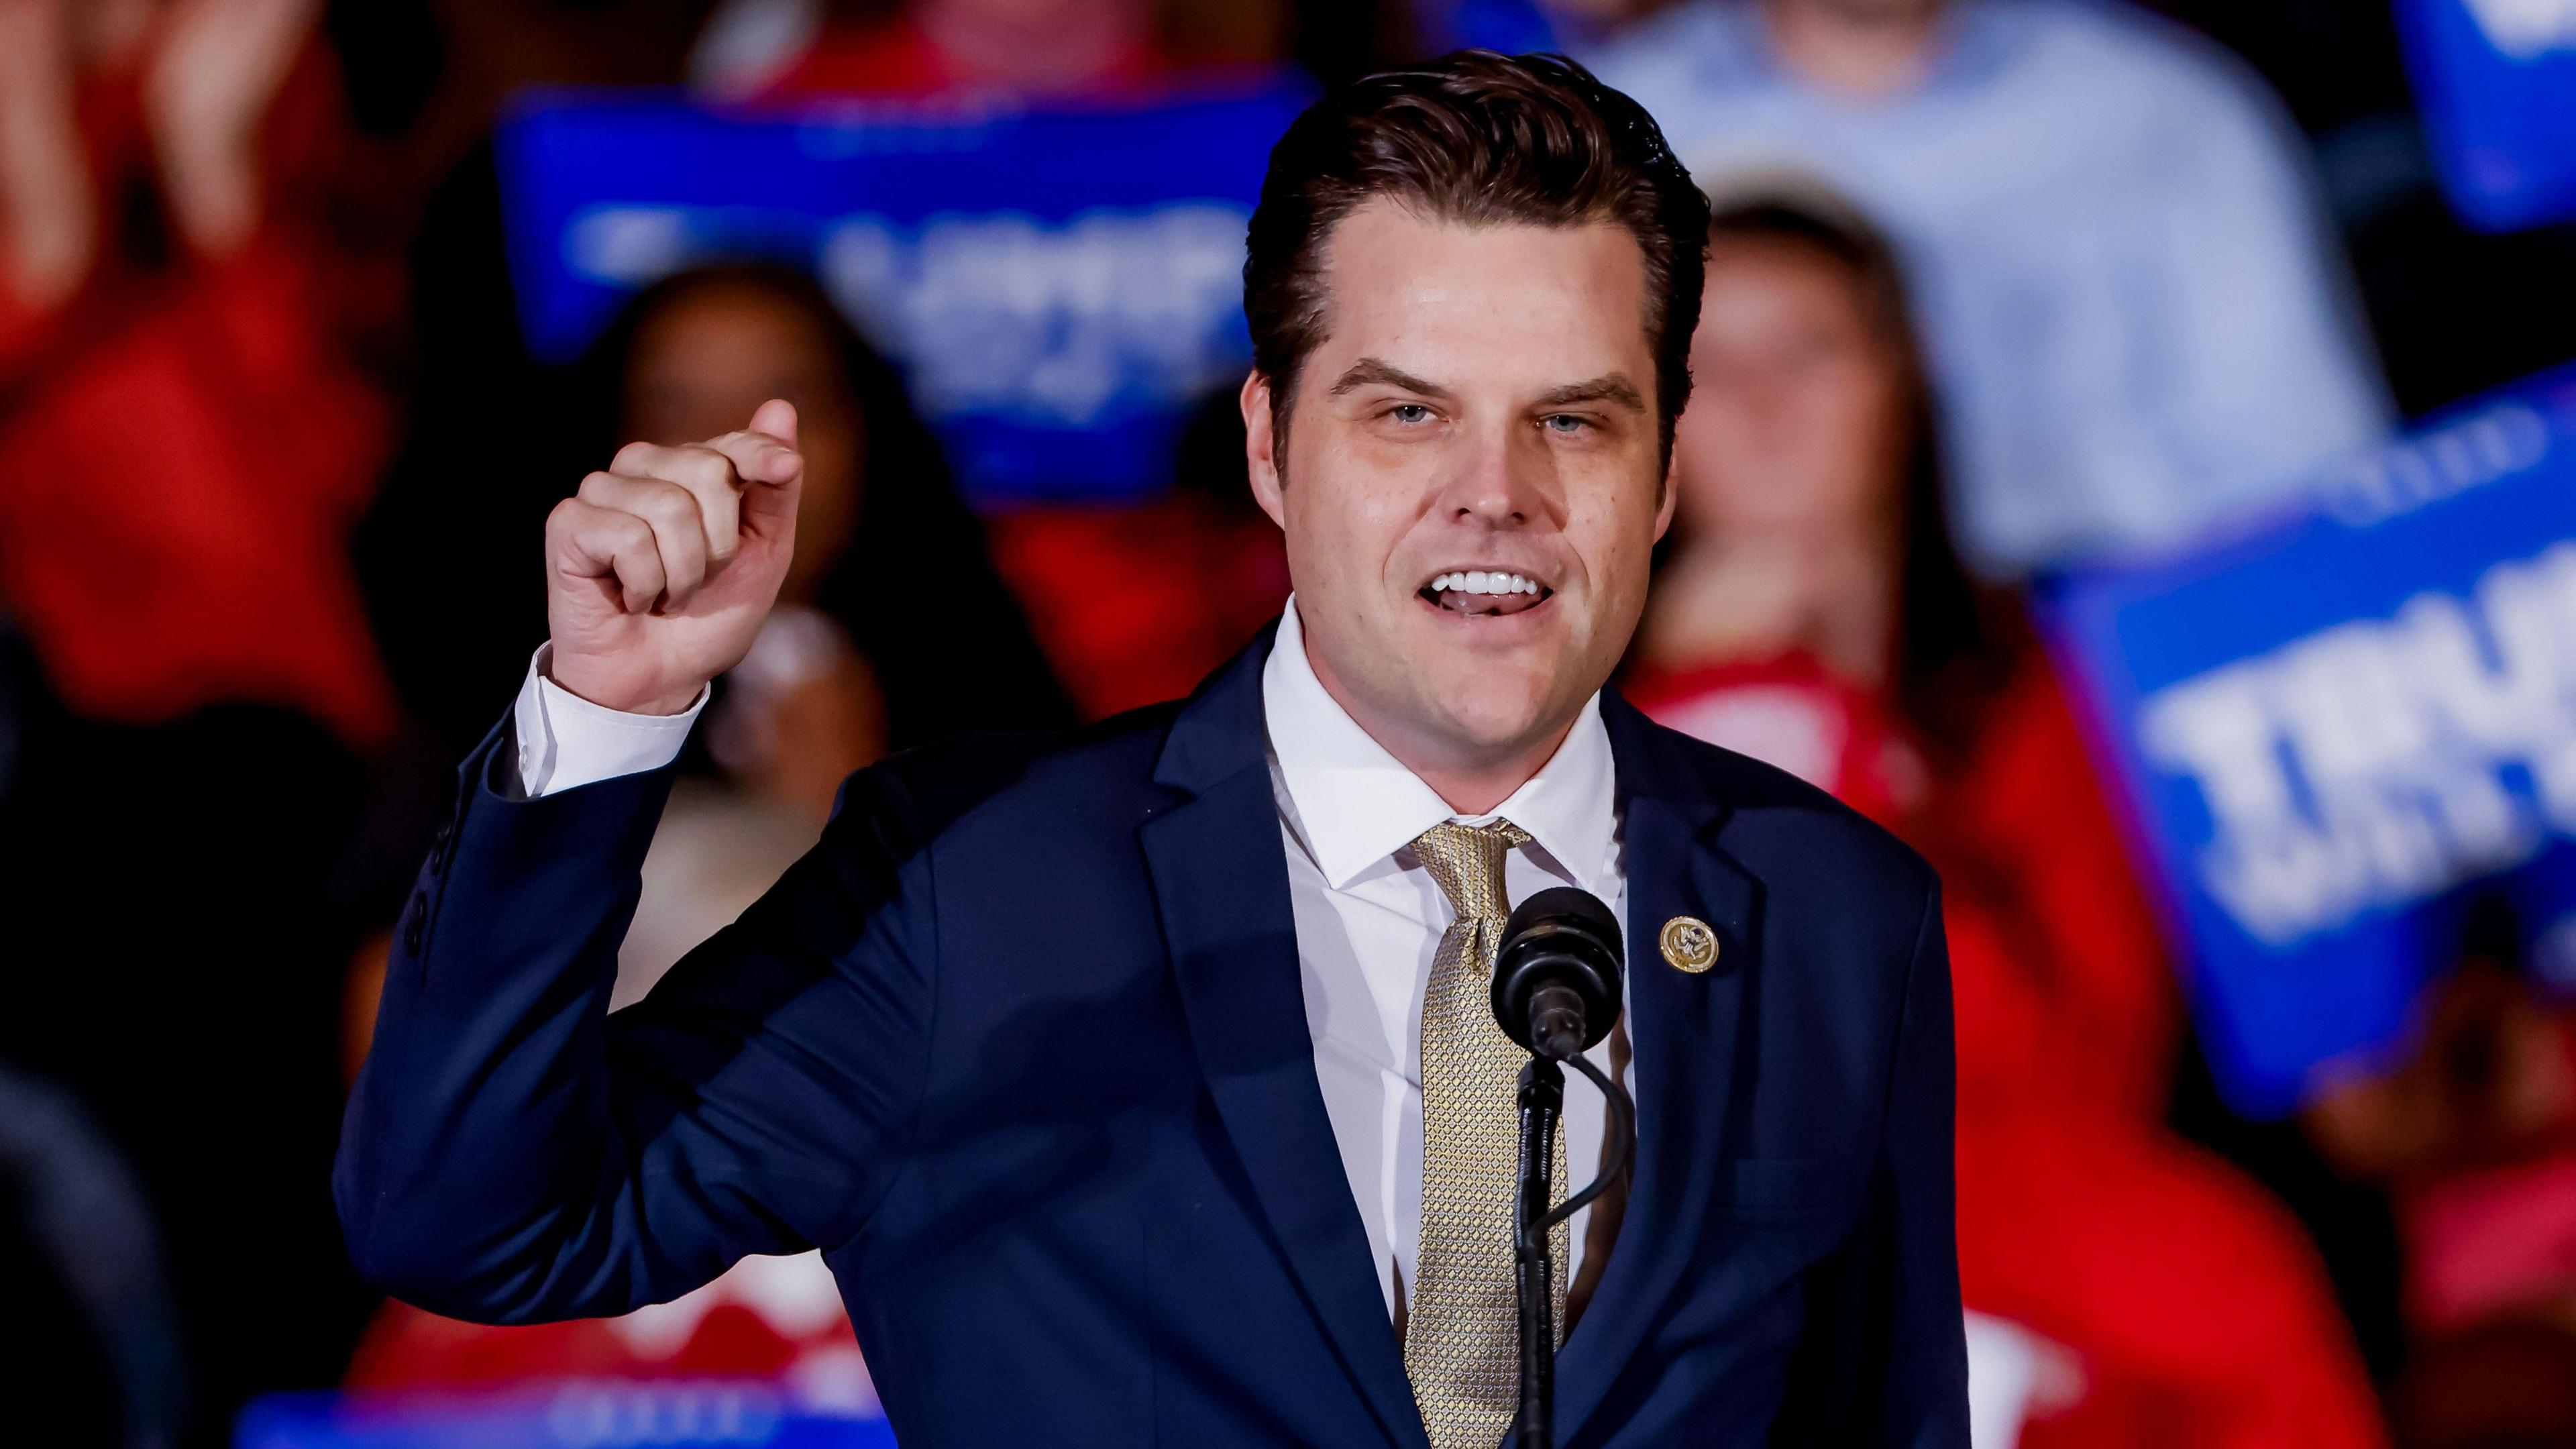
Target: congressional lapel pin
1689 945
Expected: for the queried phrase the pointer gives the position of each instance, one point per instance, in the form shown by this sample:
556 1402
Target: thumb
777 418
769 505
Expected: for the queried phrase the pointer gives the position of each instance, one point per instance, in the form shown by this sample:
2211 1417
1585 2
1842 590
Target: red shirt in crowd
895 58
185 444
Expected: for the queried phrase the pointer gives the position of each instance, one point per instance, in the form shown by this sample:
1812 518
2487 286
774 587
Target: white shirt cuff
565 741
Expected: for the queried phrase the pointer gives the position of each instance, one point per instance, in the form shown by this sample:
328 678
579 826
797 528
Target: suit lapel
1684 1031
1220 877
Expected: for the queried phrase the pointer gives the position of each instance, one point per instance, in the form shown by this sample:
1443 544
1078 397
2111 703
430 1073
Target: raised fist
660 570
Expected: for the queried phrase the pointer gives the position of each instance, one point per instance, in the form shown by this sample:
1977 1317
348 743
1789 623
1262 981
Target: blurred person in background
437 74
2471 1124
2127 288
455 63
1119 596
1812 611
93 1339
187 431
1133 602
1029 48
1021 47
1516 27
186 439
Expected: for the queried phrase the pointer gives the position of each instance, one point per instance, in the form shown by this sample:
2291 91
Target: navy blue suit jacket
1022 1047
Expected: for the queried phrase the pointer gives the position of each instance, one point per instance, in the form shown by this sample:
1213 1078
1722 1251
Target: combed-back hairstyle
1482 139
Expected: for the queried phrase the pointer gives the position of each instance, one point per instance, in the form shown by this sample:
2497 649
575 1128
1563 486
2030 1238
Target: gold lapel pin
1689 945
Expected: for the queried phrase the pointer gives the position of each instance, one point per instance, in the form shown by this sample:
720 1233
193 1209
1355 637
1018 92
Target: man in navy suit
1138 1086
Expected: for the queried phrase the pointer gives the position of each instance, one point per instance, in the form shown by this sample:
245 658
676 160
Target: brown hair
1484 139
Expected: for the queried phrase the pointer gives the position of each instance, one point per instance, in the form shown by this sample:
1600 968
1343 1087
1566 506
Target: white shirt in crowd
1369 917
2134 306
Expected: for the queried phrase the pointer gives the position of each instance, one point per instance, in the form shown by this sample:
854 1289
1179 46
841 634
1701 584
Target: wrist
570 676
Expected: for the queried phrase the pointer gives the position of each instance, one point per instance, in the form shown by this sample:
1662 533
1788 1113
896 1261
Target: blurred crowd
1995 285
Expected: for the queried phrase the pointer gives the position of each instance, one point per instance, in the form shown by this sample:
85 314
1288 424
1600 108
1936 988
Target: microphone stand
1534 1272
1542 1102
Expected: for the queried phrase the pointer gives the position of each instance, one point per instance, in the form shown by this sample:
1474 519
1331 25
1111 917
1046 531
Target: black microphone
1556 978
1556 992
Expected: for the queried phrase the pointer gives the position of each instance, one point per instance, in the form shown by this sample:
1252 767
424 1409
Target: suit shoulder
1774 817
1060 775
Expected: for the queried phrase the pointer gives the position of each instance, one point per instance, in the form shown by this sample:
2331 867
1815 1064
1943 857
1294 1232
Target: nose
1505 481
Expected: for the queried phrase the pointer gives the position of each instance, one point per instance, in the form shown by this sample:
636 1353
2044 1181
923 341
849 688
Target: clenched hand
661 569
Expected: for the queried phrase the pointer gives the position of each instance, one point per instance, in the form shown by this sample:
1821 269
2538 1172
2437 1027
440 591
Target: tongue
1462 602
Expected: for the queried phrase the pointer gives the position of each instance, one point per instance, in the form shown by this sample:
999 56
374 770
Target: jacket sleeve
512 1152
1890 1323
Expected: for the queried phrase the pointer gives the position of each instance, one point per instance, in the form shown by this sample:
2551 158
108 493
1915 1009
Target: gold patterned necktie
1462 1334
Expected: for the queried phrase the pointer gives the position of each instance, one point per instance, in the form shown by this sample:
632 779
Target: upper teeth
1478 581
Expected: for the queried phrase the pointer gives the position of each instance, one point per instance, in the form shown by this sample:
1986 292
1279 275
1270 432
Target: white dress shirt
1369 917
564 741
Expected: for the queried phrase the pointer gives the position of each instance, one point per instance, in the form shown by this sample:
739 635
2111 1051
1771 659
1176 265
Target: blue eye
1567 423
1409 413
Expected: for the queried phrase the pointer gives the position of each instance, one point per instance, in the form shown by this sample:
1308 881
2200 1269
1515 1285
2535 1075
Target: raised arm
512 1152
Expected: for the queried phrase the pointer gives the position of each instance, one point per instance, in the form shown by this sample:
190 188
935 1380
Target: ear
1260 457
1670 491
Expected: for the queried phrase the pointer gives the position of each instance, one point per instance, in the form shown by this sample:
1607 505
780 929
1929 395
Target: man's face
1473 480
1876 12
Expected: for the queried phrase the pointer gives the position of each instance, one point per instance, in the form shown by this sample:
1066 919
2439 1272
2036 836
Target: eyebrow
1369 370
1611 387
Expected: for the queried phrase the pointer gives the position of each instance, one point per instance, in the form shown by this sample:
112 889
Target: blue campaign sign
1061 285
2497 83
574 1414
2337 733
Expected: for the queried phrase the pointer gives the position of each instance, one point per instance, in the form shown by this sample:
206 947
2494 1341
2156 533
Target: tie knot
1467 861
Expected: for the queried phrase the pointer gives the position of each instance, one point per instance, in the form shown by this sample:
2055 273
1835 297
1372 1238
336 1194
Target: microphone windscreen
1563 944
1572 904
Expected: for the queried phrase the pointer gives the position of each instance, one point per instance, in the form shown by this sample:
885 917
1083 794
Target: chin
1496 707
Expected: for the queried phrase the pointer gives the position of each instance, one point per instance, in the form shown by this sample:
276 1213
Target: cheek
1735 431
685 408
1703 441
1756 460
1345 520
835 472
1612 529
1860 432
1854 399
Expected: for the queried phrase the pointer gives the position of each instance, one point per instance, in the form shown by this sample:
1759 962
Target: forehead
1781 275
1775 302
1461 303
734 318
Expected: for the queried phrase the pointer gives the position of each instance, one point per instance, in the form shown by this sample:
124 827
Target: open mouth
1484 593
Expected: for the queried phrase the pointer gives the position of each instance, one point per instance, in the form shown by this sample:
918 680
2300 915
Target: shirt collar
1355 805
